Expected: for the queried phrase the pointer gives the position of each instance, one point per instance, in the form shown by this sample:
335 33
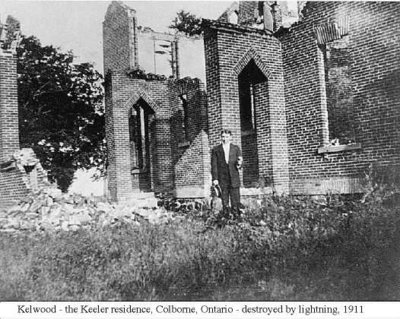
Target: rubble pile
50 210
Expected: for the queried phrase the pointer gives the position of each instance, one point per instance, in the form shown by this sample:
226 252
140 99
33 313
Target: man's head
226 136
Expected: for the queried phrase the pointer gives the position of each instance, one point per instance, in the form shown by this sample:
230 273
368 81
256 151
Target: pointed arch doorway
253 95
141 135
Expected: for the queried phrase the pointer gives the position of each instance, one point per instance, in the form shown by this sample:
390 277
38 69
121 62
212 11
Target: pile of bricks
50 210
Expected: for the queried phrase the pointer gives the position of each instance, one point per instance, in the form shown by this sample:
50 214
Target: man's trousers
232 193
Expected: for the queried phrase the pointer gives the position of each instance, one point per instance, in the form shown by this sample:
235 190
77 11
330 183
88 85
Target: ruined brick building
312 104
20 171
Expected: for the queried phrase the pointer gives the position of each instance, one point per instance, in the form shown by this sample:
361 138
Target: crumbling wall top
221 25
118 5
10 35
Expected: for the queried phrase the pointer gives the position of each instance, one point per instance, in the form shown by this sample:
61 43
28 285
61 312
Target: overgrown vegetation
287 248
282 247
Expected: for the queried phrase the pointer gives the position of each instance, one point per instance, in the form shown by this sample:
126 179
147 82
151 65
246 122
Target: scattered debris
50 210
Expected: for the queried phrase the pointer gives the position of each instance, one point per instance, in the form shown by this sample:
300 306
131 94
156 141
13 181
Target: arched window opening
253 94
134 138
139 120
249 80
183 109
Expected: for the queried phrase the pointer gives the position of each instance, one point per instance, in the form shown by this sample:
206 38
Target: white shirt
226 148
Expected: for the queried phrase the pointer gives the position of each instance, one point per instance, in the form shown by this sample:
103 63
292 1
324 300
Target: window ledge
139 171
339 148
183 144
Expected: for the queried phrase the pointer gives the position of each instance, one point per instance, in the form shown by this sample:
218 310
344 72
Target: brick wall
374 51
229 49
191 155
9 134
214 113
122 92
192 171
17 183
166 140
196 112
292 121
11 182
119 41
12 187
120 54
109 127
14 181
247 11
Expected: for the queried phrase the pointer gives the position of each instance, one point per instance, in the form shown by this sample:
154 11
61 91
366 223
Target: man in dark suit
226 160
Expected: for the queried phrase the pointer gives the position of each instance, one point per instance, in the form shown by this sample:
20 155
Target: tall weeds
288 248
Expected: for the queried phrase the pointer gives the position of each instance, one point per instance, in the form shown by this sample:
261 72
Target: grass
289 249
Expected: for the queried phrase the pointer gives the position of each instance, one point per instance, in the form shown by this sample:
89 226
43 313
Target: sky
77 25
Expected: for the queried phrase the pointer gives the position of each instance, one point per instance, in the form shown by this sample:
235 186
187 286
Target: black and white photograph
216 157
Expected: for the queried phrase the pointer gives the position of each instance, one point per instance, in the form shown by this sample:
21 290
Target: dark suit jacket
226 174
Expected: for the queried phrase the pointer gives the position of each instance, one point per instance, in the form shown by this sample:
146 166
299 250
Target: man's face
226 138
